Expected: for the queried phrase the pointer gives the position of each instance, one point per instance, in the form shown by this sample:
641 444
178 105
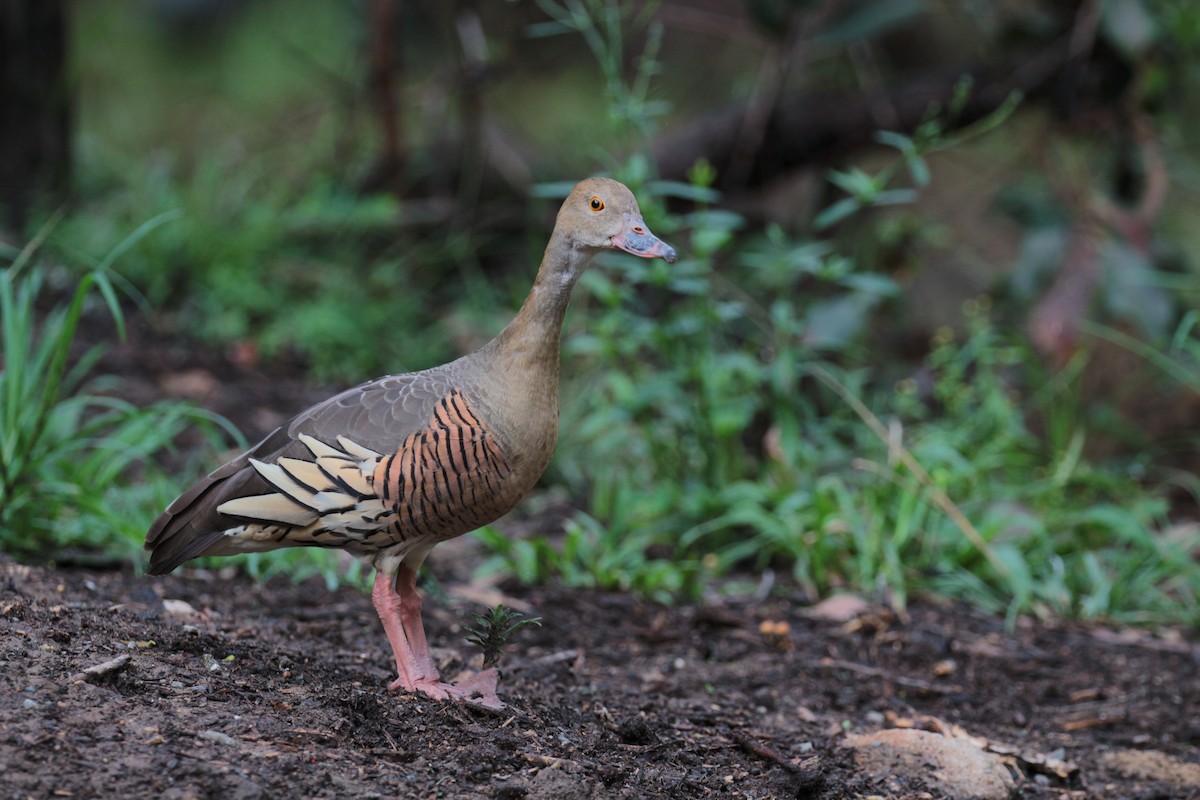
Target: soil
247 690
209 685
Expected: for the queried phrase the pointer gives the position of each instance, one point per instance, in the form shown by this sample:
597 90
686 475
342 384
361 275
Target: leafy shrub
76 465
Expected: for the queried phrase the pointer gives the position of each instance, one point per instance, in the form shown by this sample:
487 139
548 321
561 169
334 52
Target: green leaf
836 212
857 183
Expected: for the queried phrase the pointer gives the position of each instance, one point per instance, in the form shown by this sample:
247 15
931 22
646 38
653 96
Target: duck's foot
480 690
477 690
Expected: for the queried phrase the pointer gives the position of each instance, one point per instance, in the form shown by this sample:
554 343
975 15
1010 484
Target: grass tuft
77 469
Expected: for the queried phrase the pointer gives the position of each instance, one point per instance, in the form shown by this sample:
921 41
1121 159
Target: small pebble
945 668
178 607
29 703
216 736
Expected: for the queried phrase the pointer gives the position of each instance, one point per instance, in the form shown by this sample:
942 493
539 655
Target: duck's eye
597 204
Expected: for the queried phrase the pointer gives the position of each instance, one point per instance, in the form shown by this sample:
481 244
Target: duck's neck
530 344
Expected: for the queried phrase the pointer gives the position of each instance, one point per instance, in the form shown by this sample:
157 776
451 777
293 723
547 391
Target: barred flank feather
446 479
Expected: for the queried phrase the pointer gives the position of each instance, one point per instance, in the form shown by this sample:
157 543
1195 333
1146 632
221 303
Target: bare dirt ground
244 690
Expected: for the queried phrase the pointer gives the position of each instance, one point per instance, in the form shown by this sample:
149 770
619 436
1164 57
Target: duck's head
602 214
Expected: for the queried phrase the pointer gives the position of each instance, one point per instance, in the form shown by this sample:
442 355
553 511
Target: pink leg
399 607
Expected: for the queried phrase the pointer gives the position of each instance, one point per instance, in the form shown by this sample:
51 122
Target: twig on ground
764 750
549 761
99 670
808 775
546 660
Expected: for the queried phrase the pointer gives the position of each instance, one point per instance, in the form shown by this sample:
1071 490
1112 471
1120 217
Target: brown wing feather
378 414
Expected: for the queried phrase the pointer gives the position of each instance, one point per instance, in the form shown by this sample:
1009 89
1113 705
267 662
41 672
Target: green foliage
722 420
251 257
605 25
494 628
76 469
936 133
298 564
273 243
1049 531
954 494
617 555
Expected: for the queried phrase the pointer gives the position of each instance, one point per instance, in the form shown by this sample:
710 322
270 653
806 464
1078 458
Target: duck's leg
399 607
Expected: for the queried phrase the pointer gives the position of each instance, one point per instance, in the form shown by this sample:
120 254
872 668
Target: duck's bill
637 240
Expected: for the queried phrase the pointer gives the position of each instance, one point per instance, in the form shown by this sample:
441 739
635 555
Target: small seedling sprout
493 629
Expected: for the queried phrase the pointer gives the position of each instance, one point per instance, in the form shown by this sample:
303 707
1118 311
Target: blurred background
933 329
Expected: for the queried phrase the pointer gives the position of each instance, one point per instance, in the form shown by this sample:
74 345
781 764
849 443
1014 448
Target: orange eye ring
596 203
